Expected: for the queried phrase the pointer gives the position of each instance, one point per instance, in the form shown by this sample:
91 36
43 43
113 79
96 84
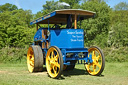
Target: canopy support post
75 21
48 25
36 27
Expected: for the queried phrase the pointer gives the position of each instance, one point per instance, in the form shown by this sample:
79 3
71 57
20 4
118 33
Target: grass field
17 74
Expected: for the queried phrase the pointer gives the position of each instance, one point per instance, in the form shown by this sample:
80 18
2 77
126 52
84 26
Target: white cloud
63 3
17 4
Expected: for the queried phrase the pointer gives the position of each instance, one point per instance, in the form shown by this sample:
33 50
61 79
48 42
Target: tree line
109 28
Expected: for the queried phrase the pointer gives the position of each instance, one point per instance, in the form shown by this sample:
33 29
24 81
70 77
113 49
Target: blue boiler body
70 41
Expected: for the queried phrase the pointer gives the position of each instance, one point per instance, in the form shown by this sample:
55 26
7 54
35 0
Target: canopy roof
60 16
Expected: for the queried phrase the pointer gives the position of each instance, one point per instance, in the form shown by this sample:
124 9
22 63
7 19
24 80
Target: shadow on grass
100 75
75 72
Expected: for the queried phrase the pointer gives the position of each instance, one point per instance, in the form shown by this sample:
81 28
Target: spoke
98 65
98 57
94 68
93 54
29 55
51 67
56 58
31 63
57 64
89 71
51 63
54 70
32 59
49 58
88 66
31 52
52 56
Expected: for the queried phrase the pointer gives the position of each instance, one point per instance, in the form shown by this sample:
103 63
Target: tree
71 2
50 6
38 14
15 28
121 6
118 35
99 1
119 29
97 29
7 7
120 16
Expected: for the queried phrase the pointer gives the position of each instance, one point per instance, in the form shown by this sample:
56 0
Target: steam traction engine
60 48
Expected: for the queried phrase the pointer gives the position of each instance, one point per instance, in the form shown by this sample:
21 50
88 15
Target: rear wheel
35 59
97 66
54 62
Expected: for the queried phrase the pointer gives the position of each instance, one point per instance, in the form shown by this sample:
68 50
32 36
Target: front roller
54 62
35 59
97 66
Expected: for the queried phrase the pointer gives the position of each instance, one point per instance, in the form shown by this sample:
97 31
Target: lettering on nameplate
76 36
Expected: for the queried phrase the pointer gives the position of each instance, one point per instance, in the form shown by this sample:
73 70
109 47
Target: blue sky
36 5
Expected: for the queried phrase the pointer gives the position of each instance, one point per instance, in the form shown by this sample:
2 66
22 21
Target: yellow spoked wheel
35 59
97 66
30 59
54 62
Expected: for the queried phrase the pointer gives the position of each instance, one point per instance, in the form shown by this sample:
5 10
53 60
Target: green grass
17 74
